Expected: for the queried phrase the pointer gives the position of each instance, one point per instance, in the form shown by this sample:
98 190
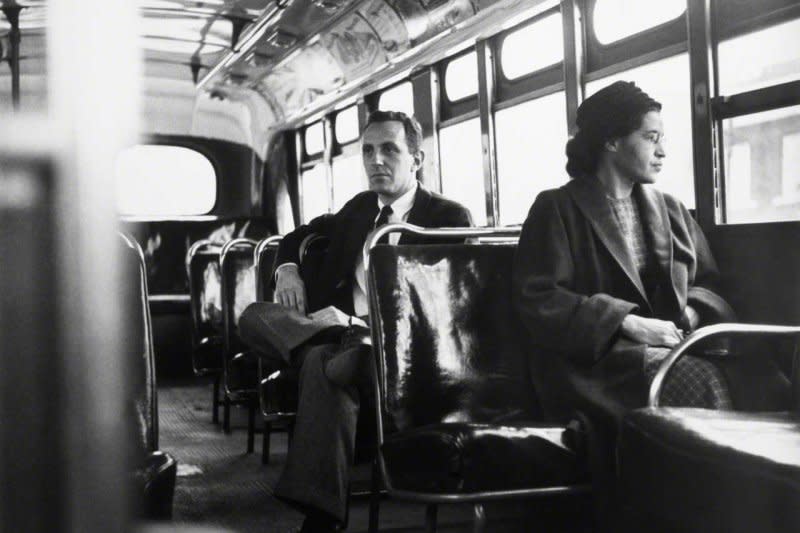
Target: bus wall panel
760 267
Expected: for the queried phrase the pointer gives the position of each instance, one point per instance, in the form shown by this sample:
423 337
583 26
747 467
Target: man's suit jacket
575 281
347 230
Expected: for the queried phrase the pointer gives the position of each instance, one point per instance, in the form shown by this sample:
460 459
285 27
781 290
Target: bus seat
458 419
312 254
239 366
275 393
278 393
154 474
692 470
205 304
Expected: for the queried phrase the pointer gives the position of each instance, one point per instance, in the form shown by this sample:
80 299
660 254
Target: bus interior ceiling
247 87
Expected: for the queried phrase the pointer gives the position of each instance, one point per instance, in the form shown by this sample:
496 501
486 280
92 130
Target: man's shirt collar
402 205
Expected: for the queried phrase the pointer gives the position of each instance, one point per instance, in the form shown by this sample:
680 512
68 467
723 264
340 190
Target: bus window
544 36
667 81
315 192
348 179
159 180
527 164
347 125
398 98
771 56
611 25
314 139
462 167
461 77
762 166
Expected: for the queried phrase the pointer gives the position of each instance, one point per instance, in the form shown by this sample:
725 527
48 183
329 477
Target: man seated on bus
315 478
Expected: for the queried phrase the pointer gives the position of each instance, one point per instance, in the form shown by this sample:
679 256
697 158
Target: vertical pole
573 60
426 109
486 93
14 37
95 116
704 133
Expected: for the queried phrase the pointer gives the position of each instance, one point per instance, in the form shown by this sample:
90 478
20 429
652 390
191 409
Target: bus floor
220 487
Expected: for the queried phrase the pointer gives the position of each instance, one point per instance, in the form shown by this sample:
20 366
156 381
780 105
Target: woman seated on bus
611 273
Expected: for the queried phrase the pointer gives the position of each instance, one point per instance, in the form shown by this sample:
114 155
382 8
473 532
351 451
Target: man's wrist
284 266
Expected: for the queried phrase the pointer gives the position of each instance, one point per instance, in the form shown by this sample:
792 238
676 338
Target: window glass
617 19
544 36
348 179
530 153
164 180
762 166
347 125
398 98
315 192
771 56
668 82
314 139
461 77
462 167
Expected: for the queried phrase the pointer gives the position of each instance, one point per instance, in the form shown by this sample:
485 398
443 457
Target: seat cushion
703 470
466 457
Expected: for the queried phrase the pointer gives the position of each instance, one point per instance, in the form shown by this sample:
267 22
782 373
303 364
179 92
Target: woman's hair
610 113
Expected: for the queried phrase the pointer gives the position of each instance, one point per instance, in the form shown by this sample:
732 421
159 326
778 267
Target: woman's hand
651 331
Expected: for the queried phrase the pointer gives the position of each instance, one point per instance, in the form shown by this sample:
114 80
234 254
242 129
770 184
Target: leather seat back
312 258
453 349
265 268
238 288
137 345
205 298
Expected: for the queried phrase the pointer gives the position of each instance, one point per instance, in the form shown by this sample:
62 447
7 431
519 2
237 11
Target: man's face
391 169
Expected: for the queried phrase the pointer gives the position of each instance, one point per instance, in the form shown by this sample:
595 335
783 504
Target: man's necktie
383 219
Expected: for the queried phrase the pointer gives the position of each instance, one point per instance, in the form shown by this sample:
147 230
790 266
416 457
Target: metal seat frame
198 247
247 397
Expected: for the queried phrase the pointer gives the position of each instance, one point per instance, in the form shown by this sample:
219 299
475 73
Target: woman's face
639 155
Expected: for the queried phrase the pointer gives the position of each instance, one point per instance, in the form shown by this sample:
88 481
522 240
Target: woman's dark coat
575 281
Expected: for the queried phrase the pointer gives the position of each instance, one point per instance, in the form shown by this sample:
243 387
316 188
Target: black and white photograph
318 266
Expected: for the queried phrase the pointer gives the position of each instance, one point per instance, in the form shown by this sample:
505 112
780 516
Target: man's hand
333 315
651 331
290 290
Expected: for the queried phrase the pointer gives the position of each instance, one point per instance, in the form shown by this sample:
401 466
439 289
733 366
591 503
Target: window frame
711 108
338 146
452 112
648 45
207 154
540 82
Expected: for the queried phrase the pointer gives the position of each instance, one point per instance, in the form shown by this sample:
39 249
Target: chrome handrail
190 253
226 318
707 332
404 227
263 244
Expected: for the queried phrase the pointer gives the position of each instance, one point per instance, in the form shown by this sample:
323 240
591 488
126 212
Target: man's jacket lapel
420 213
356 226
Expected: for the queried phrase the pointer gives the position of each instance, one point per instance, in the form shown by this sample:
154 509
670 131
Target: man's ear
419 157
611 145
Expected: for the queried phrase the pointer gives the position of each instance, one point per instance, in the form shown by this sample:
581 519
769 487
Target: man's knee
349 366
